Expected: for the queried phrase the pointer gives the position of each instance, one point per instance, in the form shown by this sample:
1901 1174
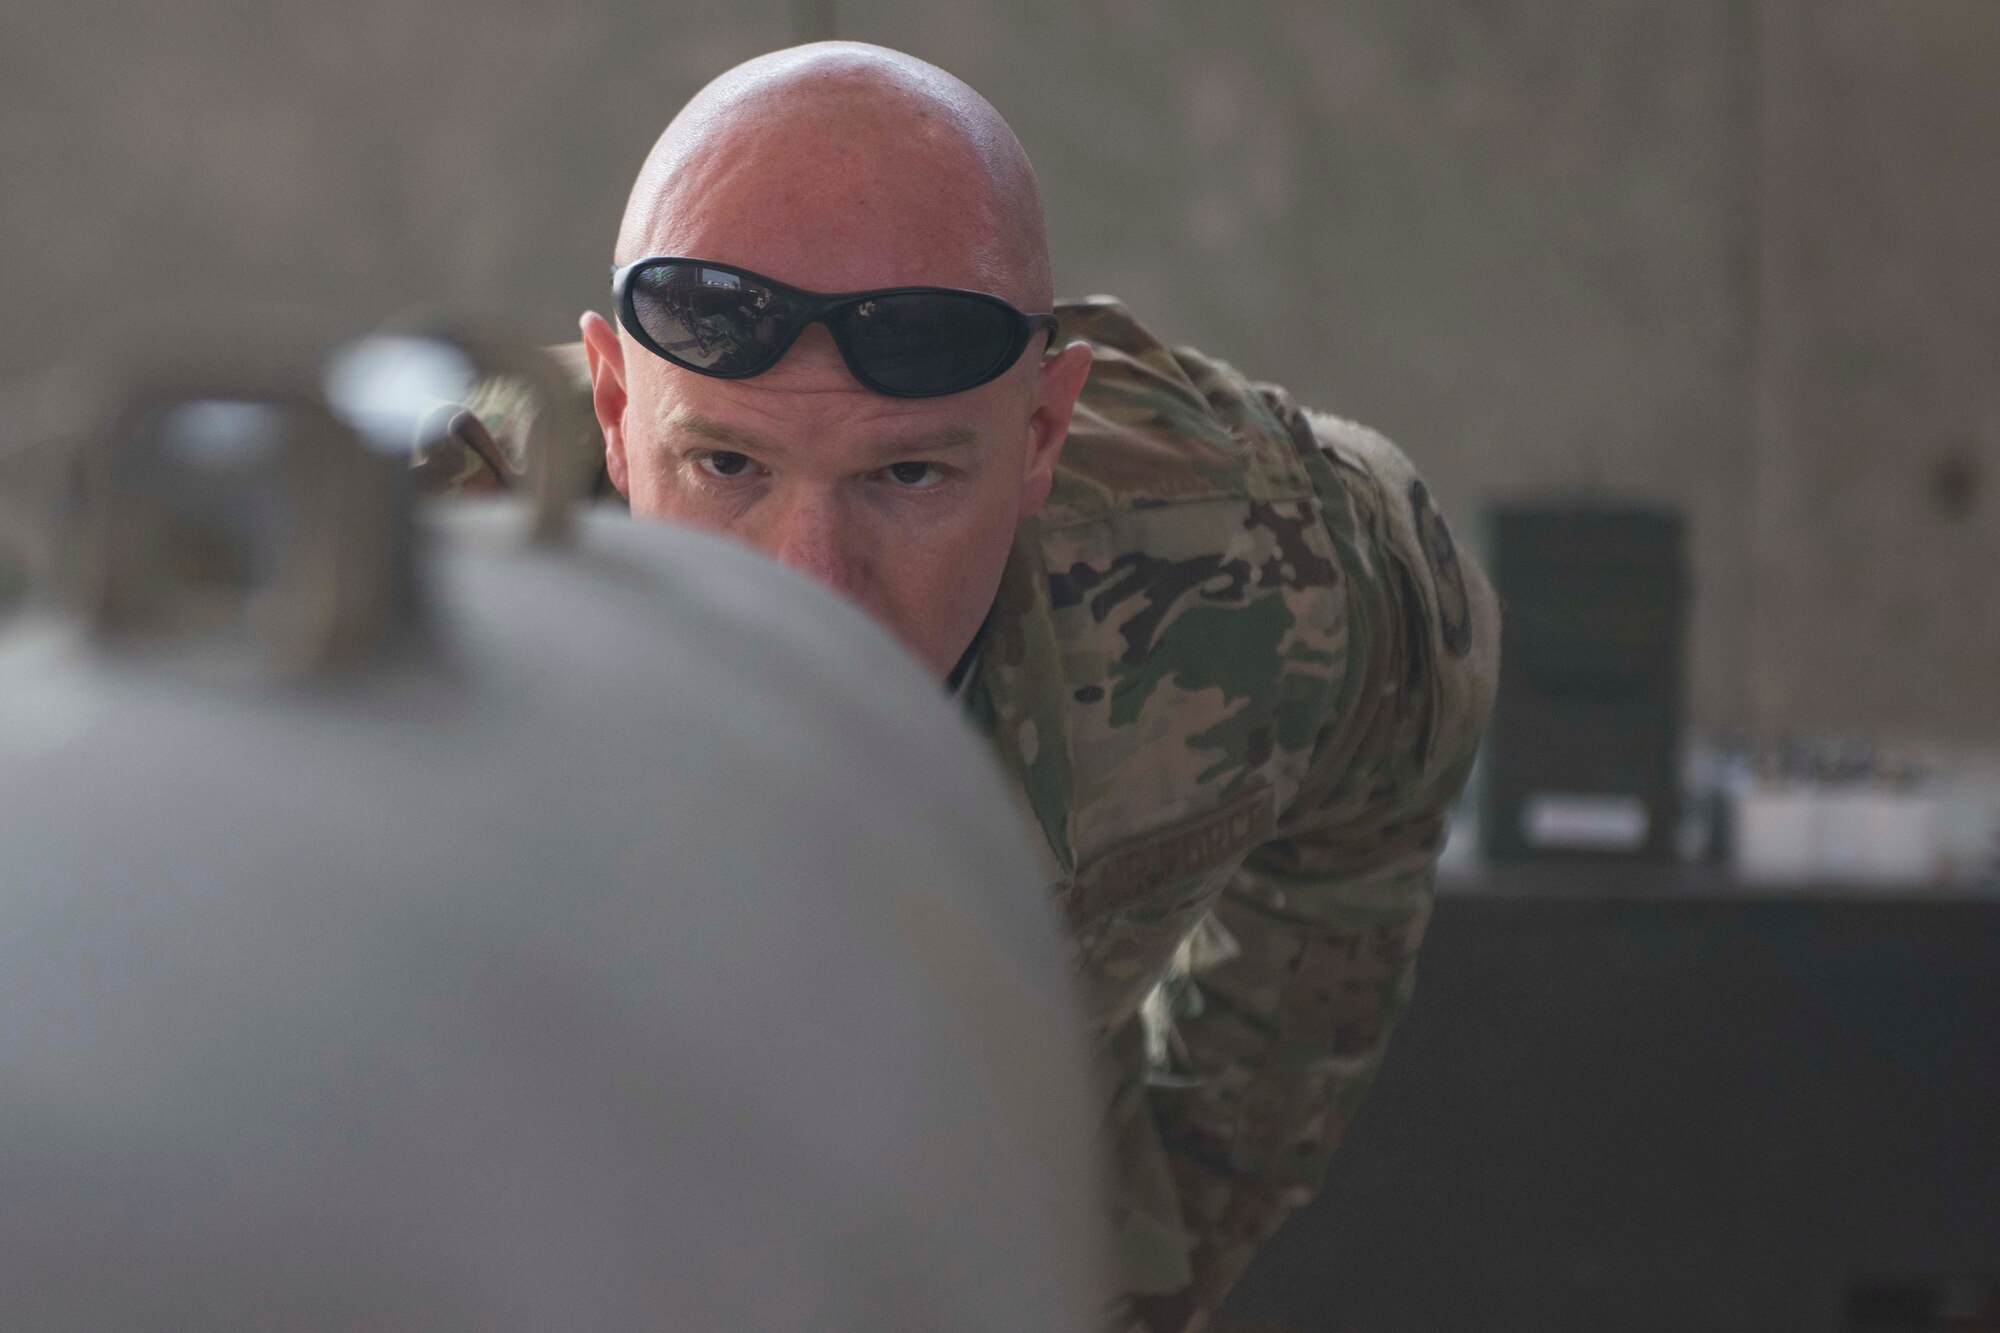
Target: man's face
905 506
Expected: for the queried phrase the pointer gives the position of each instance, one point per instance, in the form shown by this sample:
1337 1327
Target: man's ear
607 392
1058 380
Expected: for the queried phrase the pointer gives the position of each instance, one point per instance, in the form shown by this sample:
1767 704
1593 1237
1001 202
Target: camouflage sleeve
1284 1030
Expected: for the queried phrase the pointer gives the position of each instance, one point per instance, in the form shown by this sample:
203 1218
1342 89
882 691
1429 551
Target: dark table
1648 1100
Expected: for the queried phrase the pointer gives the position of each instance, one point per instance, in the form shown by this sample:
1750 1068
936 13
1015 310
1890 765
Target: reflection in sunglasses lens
710 318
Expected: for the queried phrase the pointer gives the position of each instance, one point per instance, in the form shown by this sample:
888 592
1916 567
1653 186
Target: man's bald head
840 166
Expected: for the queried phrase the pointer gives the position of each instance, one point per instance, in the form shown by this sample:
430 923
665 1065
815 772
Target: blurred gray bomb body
649 949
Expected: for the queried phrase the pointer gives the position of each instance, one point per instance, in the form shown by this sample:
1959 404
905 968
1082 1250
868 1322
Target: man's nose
807 534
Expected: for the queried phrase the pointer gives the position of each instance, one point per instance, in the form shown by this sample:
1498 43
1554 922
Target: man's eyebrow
715 433
943 440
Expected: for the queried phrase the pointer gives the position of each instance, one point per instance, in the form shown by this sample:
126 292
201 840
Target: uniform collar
961 675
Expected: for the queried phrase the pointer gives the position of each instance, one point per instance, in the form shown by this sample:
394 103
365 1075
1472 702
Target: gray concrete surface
1877 471
347 159
1732 254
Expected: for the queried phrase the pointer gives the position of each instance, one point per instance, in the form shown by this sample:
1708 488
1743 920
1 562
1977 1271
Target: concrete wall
351 158
1876 494
1733 254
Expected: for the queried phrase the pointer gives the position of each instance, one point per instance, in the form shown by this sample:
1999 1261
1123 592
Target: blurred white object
1860 837
1585 822
1776 836
1877 837
656 951
1969 833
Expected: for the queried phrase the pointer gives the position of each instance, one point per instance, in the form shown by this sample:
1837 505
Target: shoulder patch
1447 577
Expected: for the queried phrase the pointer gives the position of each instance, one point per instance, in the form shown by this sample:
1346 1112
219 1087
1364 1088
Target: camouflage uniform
1236 671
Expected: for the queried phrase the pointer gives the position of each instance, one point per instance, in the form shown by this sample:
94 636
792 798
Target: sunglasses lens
927 343
710 318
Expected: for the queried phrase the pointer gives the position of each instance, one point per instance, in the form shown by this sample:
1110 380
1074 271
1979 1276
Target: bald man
1226 650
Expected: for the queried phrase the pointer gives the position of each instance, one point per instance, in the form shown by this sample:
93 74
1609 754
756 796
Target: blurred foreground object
411 925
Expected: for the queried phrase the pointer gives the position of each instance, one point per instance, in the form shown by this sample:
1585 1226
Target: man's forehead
844 168
811 395
893 221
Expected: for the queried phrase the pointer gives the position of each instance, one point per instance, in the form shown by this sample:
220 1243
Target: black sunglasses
907 342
